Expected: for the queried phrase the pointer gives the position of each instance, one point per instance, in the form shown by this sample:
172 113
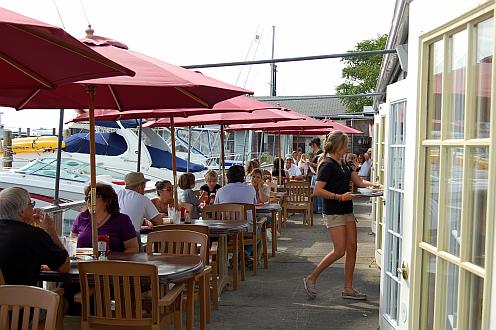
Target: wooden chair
298 198
17 298
227 212
258 233
211 260
172 241
118 299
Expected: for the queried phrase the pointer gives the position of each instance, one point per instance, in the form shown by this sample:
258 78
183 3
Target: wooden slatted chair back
226 211
178 242
118 289
297 192
22 305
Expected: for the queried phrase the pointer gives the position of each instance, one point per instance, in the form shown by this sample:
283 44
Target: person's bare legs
338 237
350 260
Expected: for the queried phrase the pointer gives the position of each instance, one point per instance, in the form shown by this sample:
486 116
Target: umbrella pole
140 136
56 197
244 147
174 163
189 149
91 110
280 160
222 155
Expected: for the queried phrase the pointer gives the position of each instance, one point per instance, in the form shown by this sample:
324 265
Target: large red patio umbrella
222 119
155 85
36 55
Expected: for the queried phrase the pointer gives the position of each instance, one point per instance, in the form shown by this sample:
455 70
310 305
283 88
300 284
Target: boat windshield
70 169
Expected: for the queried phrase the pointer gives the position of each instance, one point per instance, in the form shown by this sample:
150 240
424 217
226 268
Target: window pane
454 201
483 66
451 295
431 196
435 89
428 289
475 297
457 75
478 203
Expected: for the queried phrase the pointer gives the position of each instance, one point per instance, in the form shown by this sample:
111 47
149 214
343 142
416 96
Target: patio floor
275 299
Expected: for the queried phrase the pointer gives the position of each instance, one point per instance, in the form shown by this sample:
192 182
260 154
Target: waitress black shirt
337 177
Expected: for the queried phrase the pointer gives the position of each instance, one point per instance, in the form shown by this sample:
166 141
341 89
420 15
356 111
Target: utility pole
273 66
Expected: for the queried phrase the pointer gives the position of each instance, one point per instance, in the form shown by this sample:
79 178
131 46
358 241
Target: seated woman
252 164
262 190
278 164
165 197
117 226
187 195
211 186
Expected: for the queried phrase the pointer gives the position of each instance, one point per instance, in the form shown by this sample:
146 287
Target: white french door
394 288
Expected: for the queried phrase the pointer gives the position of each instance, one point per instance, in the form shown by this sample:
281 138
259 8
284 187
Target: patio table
273 209
170 268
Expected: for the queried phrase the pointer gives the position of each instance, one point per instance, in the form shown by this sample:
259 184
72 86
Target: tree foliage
361 74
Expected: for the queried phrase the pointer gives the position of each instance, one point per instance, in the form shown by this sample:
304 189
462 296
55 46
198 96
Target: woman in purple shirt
117 226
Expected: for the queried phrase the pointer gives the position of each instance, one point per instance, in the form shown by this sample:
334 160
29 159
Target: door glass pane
435 89
478 203
475 298
453 183
457 75
484 40
428 289
431 196
451 295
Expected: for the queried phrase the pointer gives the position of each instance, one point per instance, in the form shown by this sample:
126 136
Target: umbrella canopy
156 85
36 55
307 125
259 116
235 104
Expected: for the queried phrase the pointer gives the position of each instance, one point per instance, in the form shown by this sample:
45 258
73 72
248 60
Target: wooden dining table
170 268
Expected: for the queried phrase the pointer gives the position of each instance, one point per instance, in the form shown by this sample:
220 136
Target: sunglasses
166 189
32 203
88 197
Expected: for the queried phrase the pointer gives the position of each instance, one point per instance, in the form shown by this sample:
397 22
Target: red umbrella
37 55
156 85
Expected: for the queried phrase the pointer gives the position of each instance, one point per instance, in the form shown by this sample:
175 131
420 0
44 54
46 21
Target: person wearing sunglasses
165 196
24 248
110 221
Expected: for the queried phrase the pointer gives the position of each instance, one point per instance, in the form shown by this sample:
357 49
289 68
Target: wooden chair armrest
172 295
214 247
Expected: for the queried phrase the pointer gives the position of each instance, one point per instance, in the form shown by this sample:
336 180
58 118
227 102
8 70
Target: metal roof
315 107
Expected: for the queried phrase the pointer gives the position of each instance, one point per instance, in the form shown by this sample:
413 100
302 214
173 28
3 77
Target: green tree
361 74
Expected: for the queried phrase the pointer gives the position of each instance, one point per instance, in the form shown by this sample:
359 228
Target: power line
292 59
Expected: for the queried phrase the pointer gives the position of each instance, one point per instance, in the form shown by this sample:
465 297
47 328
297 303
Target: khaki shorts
335 220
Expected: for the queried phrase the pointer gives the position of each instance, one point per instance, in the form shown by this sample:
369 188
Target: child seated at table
211 186
187 195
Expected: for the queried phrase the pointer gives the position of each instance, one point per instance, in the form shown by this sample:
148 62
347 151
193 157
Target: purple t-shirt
119 228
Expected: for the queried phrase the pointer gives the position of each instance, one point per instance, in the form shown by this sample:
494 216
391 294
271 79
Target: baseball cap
134 178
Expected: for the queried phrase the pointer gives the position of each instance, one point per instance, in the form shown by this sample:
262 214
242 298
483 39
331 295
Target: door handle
403 270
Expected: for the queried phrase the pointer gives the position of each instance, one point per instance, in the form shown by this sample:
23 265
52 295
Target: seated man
293 170
24 247
134 203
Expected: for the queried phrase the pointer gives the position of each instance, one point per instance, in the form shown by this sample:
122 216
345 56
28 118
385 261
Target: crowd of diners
29 241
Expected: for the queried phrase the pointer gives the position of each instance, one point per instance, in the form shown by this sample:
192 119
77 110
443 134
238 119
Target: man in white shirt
236 190
134 203
293 170
364 172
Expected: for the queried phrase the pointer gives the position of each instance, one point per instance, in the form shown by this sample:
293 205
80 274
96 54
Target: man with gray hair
24 247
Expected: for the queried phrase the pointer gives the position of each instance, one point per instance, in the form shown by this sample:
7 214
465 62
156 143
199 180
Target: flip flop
309 288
